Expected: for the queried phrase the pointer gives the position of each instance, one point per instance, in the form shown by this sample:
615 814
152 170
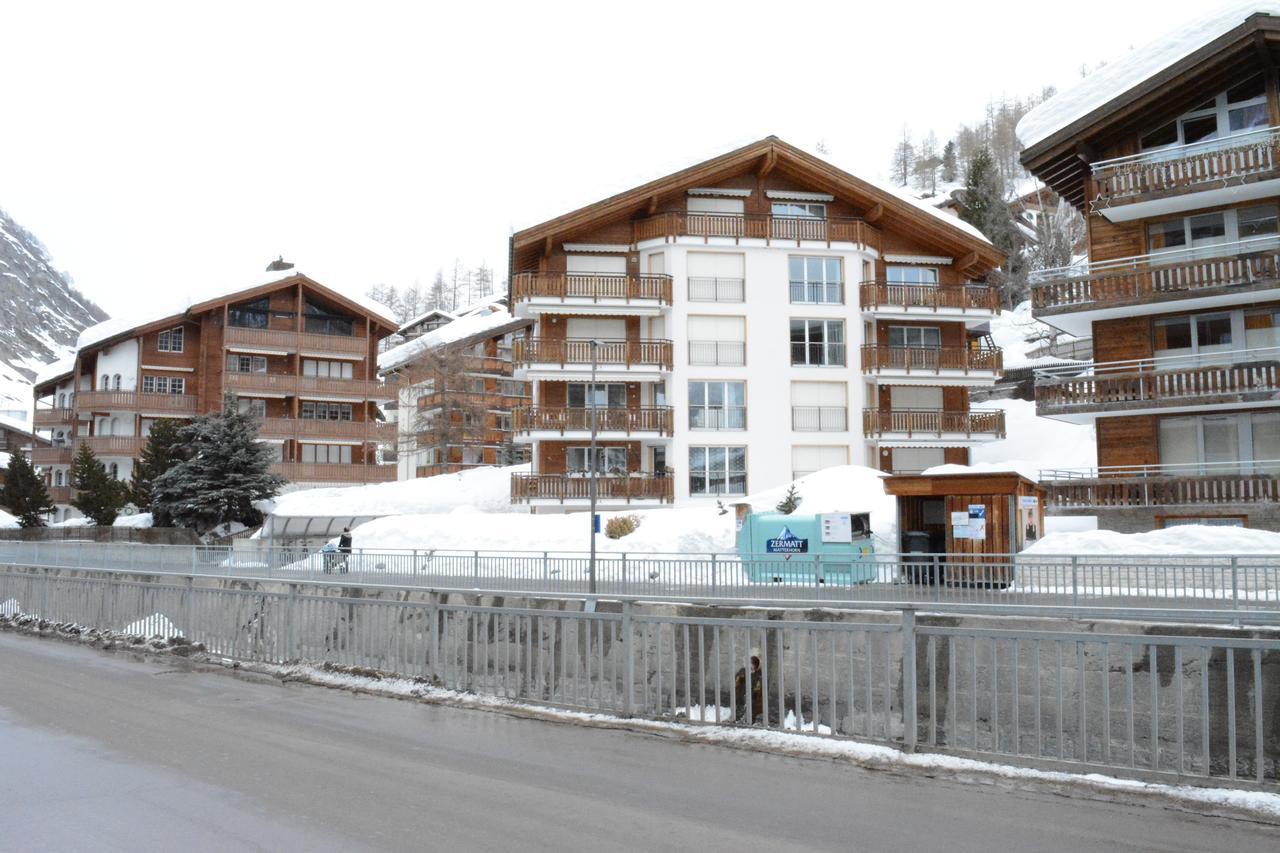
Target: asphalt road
109 751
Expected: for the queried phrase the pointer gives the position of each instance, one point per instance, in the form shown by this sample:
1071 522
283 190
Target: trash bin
922 568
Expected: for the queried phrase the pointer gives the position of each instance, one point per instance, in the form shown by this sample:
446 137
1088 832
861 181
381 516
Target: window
612 395
817 342
62 400
717 470
818 406
1227 443
163 385
915 337
1212 229
816 279
318 320
170 340
609 460
327 453
1241 108
807 459
114 470
717 340
1262 328
250 315
799 209
1193 333
511 388
912 275
57 477
327 369
502 421
246 363
717 405
252 406
115 382
721 206
1256 221
715 276
105 385
315 411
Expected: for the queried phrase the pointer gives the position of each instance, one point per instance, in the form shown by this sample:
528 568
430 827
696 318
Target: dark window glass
1199 129
1214 330
1254 87
1161 136
1166 235
1257 221
1174 334
1246 118
1210 227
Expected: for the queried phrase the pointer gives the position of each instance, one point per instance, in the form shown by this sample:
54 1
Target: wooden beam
770 160
546 248
1262 51
653 204
967 261
874 214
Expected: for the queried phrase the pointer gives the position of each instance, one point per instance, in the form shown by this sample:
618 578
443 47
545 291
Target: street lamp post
592 486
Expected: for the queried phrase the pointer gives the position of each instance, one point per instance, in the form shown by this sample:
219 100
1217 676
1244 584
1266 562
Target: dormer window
1239 109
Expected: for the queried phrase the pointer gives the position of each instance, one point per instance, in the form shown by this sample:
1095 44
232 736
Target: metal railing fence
1174 707
1205 588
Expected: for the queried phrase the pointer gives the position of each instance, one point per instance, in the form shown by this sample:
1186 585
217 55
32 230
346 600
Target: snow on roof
1118 77
179 304
434 312
490 301
459 329
14 424
930 208
53 370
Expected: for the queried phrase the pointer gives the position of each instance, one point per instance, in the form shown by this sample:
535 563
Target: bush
622 525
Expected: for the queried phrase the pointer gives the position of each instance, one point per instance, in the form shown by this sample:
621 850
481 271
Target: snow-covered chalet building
752 318
1172 153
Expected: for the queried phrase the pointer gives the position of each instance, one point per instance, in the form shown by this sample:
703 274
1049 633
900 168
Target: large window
915 337
327 369
250 315
800 209
817 342
319 320
170 340
327 453
612 395
320 411
912 275
717 470
246 363
1193 334
1222 443
1210 229
1241 108
816 279
717 405
609 460
254 406
163 385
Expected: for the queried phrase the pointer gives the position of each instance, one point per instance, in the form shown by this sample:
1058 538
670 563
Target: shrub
621 525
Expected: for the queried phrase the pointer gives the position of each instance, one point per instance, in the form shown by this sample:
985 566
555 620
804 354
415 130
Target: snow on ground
1190 539
7 521
155 625
80 521
1033 444
1010 330
480 489
138 519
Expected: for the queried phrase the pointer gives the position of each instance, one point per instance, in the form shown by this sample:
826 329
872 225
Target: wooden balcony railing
1164 485
611 353
972 297
1202 271
564 487
53 417
46 455
913 422
593 286
59 494
292 341
759 226
331 472
113 445
135 401
877 359
654 419
1240 376
283 383
1230 161
301 429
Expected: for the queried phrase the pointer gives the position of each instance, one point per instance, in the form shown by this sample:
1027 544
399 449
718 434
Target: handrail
1258 466
538 350
877 357
1152 261
965 297
933 421
628 419
1221 358
593 286
1158 154
763 226
628 486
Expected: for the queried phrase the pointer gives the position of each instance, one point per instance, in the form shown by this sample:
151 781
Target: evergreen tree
226 470
24 493
949 163
163 450
98 495
790 501
984 207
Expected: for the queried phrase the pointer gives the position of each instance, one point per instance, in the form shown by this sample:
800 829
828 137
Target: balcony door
1221 444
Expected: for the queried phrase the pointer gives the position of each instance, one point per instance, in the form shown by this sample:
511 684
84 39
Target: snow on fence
1147 705
1202 587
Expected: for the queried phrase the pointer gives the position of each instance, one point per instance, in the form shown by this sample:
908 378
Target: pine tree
949 163
24 493
984 207
904 158
226 470
98 495
163 450
790 501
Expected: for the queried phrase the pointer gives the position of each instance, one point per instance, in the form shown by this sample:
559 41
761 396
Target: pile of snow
137 520
486 490
1010 330
457 330
81 521
686 530
1033 444
1190 539
7 521
1118 77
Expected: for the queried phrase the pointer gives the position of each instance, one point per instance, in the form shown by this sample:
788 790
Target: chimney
279 265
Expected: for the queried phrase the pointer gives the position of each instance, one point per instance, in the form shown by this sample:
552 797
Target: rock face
41 313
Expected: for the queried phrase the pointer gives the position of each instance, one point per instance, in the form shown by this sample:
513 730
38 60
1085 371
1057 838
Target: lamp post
592 486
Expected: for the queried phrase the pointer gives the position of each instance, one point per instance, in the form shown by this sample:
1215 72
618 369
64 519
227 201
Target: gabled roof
460 332
770 153
422 318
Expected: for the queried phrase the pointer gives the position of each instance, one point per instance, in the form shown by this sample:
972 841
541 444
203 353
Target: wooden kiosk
968 519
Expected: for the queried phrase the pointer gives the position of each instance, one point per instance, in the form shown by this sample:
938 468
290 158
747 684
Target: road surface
109 751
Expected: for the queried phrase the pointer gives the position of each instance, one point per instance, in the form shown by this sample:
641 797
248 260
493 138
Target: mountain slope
41 313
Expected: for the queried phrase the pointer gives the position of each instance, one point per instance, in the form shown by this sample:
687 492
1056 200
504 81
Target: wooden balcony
51 455
1244 376
292 341
1209 485
289 385
329 472
929 360
913 423
591 287
113 445
302 429
174 405
656 419
1233 161
48 418
59 494
651 354
756 226
563 488
922 298
1240 267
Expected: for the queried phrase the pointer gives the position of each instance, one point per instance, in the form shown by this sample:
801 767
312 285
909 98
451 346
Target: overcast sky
157 147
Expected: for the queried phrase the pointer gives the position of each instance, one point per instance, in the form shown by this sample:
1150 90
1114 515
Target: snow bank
1118 77
7 521
1190 539
484 489
682 530
1032 444
80 521
137 520
1010 330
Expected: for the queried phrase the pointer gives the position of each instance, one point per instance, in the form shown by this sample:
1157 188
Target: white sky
161 147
